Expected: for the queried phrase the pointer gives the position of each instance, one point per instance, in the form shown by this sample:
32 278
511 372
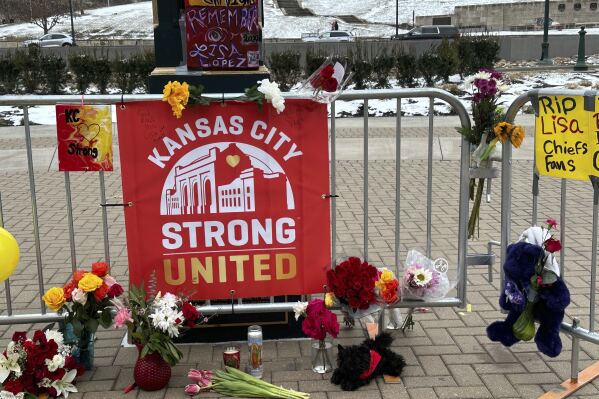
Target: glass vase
321 356
82 347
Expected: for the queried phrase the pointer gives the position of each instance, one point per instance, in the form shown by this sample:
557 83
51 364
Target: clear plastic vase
321 356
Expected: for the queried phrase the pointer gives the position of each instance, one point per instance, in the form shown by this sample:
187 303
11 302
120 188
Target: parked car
331 36
539 23
51 40
430 32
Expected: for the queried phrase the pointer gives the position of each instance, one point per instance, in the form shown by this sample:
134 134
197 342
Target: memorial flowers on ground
38 366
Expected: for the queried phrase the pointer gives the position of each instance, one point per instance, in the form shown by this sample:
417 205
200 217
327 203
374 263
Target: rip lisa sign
227 198
84 134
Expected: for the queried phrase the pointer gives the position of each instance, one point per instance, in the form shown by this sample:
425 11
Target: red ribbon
375 359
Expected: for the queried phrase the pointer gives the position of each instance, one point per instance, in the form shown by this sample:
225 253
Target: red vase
151 372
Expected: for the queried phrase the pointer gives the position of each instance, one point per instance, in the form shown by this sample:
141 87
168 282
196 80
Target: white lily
65 386
10 395
9 364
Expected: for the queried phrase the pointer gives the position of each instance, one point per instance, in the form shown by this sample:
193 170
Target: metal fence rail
574 330
459 300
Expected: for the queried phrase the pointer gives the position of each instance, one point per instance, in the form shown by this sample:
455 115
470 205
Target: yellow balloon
9 254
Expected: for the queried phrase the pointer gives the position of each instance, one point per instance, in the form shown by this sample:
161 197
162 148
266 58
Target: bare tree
47 13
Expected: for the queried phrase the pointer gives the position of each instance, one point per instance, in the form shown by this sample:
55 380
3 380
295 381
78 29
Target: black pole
545 45
396 18
72 23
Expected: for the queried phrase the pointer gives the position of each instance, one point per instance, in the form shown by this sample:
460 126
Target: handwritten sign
84 134
567 137
223 34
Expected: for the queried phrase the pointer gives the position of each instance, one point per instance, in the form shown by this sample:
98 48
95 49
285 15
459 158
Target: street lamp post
72 23
545 46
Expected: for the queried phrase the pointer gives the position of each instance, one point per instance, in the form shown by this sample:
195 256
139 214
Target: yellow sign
567 137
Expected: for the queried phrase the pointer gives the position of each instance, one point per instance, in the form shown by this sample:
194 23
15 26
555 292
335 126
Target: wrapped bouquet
425 279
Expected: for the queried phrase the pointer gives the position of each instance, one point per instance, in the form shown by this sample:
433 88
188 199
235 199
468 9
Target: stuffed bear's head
521 260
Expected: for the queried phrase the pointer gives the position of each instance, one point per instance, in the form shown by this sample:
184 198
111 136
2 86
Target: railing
574 330
431 94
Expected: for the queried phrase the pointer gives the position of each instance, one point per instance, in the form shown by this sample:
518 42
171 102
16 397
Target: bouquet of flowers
318 320
43 365
153 321
387 286
327 82
424 279
353 283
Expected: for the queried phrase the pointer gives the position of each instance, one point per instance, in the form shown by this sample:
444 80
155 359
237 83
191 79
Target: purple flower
494 74
513 293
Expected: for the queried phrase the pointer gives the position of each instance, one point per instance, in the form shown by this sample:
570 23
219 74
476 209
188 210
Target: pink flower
192 389
109 280
122 316
552 223
202 377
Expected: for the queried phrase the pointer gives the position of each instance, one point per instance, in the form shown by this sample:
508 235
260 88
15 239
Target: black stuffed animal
359 364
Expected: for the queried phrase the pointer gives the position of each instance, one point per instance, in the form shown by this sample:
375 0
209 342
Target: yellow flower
517 136
329 299
502 130
90 282
387 275
177 95
54 298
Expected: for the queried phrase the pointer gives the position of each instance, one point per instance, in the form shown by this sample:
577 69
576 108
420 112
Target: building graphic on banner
225 178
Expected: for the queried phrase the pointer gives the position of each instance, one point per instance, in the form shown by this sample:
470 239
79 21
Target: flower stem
475 214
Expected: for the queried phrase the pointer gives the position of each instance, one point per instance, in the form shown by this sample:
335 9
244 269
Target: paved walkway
448 353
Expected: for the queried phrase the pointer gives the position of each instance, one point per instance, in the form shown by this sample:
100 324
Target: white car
331 36
51 40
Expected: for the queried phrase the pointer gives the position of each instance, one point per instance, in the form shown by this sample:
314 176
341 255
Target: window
577 6
339 34
561 7
429 30
594 6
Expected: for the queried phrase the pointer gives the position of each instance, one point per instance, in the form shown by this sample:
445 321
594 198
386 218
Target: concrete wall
506 16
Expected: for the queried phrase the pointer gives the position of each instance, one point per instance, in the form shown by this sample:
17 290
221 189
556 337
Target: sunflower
517 136
502 131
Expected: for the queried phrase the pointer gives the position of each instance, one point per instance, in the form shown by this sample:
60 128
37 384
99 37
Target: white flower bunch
55 363
166 315
272 93
300 309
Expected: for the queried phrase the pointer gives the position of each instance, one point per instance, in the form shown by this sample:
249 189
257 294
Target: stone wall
509 16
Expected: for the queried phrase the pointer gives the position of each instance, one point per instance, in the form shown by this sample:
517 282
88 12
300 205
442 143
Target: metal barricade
9 317
574 330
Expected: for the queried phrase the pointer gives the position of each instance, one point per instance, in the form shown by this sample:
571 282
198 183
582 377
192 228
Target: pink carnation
122 316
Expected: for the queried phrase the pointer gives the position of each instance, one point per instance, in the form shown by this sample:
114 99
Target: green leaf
92 325
77 327
106 318
145 351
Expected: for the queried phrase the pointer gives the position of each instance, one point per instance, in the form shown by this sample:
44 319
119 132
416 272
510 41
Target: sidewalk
448 353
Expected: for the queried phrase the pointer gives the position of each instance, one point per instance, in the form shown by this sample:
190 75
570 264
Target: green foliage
360 67
144 65
54 73
30 67
101 73
9 75
125 74
476 52
448 60
82 68
382 65
313 61
427 66
406 70
285 68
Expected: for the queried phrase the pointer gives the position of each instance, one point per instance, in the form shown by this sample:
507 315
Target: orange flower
101 292
502 131
78 275
99 269
517 136
68 289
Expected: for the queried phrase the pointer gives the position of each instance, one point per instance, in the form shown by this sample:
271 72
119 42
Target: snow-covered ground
518 83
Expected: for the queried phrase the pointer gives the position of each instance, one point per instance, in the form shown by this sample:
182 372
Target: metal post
104 218
396 19
67 185
581 65
595 182
575 353
545 46
333 190
397 182
36 229
72 22
506 204
562 232
6 282
365 179
429 185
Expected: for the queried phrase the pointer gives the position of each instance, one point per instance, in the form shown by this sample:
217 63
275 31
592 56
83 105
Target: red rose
327 71
101 292
115 290
78 275
99 269
552 245
68 290
14 386
190 313
330 85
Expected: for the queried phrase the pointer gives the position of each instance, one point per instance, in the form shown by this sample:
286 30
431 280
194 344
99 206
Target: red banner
84 134
227 198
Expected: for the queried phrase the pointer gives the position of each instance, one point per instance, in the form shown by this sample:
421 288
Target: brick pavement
448 353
